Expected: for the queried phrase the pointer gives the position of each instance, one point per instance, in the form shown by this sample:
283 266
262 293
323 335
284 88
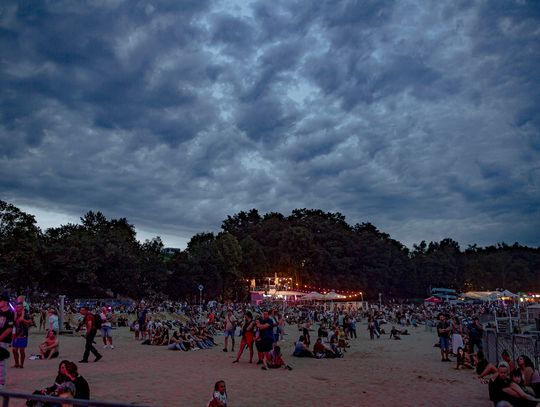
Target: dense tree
102 257
20 248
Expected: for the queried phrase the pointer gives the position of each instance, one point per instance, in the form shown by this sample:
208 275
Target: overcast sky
420 117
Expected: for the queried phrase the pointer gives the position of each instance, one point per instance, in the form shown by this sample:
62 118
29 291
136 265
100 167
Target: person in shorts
443 331
106 327
265 337
19 341
230 327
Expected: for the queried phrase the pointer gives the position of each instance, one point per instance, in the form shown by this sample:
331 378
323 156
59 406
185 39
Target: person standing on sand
248 337
91 331
230 327
54 324
142 320
20 335
42 319
443 331
265 339
457 335
106 327
7 320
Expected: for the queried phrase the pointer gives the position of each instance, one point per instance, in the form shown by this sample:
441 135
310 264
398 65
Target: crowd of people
510 383
258 330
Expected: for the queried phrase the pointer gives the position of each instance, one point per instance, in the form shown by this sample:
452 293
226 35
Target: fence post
496 347
513 347
5 402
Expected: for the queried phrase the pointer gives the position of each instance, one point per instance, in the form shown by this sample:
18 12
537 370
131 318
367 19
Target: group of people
510 384
67 384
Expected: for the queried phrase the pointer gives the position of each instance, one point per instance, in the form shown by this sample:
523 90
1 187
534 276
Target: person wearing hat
7 319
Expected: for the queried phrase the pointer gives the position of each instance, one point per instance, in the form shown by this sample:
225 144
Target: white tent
507 293
313 296
488 295
482 295
332 295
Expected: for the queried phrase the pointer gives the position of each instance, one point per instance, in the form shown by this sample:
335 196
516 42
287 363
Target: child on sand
219 397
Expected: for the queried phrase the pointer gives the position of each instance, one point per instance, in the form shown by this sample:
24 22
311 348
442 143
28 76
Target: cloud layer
423 119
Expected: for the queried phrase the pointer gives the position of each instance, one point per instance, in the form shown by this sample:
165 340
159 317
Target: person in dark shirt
476 331
7 320
82 389
443 331
91 331
266 337
501 392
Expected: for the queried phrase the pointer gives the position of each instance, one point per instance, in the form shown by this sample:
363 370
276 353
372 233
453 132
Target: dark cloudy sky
421 117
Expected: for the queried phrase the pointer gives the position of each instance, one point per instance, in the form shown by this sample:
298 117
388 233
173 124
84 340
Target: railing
6 396
516 345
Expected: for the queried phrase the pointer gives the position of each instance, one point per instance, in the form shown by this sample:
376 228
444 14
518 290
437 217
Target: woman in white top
54 324
457 335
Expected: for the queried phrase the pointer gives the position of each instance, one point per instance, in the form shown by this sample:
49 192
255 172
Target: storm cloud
421 118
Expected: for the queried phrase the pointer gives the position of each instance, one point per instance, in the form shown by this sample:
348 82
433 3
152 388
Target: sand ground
373 373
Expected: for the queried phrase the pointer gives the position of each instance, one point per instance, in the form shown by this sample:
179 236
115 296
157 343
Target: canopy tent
332 295
433 300
506 293
488 295
312 296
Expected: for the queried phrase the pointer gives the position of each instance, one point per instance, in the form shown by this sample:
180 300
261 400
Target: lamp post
62 313
380 301
201 288
362 298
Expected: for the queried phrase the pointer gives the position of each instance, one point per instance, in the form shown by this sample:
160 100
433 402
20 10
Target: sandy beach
373 373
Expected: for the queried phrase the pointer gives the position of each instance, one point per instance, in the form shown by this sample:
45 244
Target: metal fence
8 396
516 345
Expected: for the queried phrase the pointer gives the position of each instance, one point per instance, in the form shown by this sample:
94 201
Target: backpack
97 321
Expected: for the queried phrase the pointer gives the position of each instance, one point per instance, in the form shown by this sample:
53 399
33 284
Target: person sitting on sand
61 378
186 343
219 396
199 340
301 350
321 351
82 390
275 360
160 337
67 391
49 348
334 346
175 343
523 395
208 337
526 367
394 334
462 359
506 357
483 367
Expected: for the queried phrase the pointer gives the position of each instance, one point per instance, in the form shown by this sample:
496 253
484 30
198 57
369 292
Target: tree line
101 257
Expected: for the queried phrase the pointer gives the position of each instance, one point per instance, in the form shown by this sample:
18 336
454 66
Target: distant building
170 251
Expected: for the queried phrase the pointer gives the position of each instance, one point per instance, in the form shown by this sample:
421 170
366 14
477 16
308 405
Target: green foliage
102 257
